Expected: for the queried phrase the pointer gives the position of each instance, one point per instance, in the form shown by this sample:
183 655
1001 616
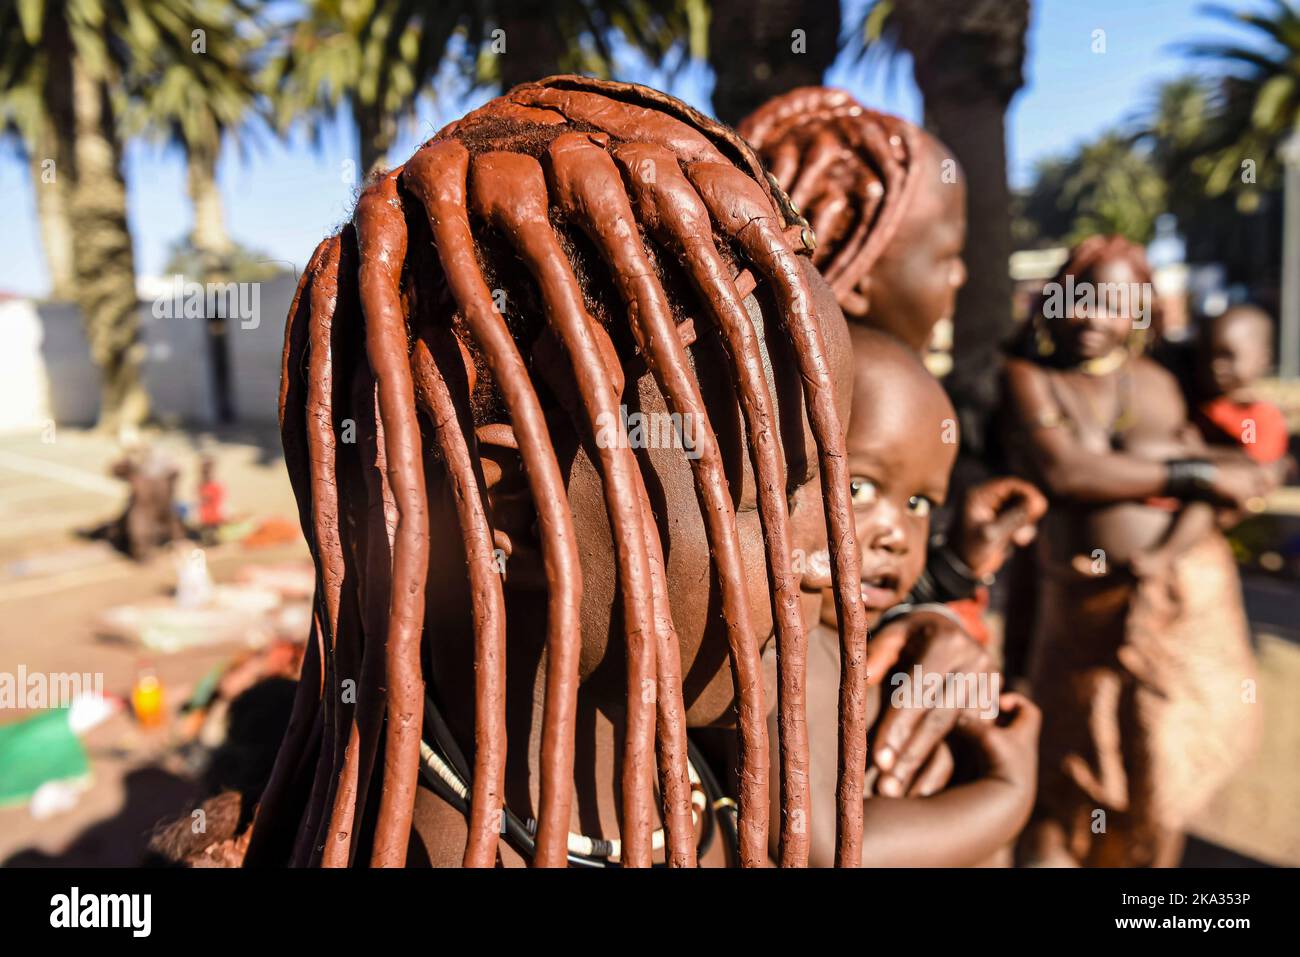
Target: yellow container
147 700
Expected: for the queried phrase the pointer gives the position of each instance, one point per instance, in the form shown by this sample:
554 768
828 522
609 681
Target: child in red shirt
212 502
1236 351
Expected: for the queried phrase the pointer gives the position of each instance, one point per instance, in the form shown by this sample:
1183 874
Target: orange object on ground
273 531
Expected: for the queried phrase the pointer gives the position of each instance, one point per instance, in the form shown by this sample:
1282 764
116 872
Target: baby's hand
998 515
1009 742
1154 563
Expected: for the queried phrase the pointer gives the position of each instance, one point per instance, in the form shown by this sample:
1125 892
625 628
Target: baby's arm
1193 522
955 828
966 824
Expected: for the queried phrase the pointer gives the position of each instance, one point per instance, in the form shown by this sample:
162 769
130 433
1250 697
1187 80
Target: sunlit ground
55 586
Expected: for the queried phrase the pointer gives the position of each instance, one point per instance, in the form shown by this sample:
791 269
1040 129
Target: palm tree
1110 185
346 52
1189 135
785 44
1259 100
24 127
195 101
84 56
1223 177
78 51
576 36
377 57
968 58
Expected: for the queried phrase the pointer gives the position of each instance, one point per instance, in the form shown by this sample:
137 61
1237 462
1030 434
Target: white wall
255 353
24 392
46 373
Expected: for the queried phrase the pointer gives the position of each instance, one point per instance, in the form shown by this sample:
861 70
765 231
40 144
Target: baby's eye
919 506
863 490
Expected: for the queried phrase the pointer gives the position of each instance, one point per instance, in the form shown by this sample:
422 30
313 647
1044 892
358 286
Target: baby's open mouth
879 589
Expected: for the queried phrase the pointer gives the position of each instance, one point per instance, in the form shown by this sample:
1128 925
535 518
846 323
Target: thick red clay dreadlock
849 168
608 160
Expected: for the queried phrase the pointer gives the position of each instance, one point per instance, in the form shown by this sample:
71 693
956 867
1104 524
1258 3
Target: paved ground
53 586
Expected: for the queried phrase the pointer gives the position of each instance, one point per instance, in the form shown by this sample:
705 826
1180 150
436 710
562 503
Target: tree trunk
208 234
88 158
968 60
59 132
52 214
105 262
534 45
375 133
975 130
757 54
212 245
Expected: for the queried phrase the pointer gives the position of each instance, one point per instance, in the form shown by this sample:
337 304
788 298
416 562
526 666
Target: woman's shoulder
1017 366
1154 379
1026 383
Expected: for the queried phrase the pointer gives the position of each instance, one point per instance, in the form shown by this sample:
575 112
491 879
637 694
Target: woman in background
1140 658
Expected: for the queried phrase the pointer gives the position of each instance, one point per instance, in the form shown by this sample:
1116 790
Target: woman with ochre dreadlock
1140 657
886 202
523 603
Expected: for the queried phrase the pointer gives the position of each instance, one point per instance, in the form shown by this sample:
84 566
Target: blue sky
282 198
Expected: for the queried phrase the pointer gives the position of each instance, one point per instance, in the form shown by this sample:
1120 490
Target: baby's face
902 443
1240 352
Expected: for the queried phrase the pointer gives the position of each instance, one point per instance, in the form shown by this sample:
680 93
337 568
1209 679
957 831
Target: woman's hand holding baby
906 737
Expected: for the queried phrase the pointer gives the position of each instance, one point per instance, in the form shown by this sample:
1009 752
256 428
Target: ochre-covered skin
395 317
847 168
437 176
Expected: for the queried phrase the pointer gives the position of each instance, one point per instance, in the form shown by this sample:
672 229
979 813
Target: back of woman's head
482 326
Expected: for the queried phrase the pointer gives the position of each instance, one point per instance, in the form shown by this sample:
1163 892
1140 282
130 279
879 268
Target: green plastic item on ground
36 750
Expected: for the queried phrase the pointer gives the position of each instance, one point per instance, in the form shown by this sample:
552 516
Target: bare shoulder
1016 368
1149 371
1155 382
1021 374
1027 386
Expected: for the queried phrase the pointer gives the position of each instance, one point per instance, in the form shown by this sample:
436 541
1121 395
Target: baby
901 447
1236 351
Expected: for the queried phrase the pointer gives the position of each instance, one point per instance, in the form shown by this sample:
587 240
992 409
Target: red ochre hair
848 168
394 327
